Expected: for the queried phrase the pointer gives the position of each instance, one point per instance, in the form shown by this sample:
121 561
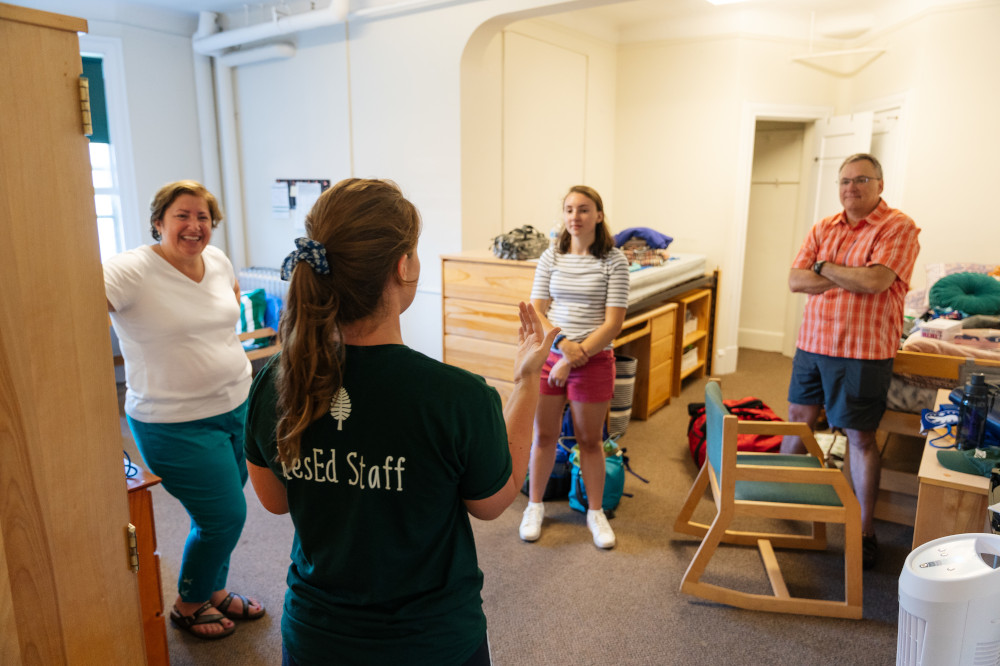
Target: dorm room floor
560 600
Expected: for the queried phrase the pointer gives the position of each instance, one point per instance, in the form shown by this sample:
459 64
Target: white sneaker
531 523
604 536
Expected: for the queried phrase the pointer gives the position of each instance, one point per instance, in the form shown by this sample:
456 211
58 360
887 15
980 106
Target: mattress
650 280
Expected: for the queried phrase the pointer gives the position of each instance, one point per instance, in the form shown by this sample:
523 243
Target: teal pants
202 464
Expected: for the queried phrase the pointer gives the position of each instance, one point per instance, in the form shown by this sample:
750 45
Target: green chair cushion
785 493
971 293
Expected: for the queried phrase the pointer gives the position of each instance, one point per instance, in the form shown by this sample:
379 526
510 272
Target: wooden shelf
692 338
696 306
693 369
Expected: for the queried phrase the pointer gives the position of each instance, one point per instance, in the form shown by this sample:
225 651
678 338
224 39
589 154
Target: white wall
677 161
949 63
532 128
293 123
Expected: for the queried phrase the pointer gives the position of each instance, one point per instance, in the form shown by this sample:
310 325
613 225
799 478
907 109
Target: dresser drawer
663 325
483 357
661 382
485 281
498 322
661 351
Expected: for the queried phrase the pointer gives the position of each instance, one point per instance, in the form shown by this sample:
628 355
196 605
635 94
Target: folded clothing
639 254
974 342
653 238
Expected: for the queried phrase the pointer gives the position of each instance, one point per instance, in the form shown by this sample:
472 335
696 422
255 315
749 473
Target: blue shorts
592 382
853 391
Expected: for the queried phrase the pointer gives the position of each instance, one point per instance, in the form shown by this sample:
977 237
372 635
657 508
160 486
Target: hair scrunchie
310 251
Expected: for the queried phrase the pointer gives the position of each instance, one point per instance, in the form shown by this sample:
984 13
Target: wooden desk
140 508
948 502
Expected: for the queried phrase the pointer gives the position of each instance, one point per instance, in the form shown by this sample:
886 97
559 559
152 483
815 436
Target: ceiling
633 20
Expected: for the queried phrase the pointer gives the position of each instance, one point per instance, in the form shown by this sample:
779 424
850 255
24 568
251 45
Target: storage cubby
691 341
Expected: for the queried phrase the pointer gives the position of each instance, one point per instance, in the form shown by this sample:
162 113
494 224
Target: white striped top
579 288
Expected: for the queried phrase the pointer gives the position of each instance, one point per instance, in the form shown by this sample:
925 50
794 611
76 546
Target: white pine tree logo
340 407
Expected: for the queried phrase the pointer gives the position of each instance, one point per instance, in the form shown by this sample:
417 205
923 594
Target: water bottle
554 233
972 412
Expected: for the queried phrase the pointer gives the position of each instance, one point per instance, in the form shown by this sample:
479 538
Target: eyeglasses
988 338
860 180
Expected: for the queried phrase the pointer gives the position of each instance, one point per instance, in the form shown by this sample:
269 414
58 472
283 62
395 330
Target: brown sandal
207 614
245 614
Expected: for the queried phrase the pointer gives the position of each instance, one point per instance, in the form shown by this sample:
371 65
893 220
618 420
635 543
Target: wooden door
67 594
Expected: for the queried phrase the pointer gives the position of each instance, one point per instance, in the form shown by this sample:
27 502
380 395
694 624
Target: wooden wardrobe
67 593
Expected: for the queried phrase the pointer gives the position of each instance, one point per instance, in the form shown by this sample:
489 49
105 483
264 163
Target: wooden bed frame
925 365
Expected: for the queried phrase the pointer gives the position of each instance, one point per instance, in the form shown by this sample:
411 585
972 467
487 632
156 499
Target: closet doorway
778 187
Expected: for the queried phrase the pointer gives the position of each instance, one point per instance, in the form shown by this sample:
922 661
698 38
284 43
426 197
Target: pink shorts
593 382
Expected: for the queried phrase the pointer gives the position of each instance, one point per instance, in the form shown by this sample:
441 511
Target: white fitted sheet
651 280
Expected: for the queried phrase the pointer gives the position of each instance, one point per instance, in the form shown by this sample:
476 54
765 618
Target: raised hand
533 343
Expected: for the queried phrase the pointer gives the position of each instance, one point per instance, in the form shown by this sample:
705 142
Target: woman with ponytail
380 453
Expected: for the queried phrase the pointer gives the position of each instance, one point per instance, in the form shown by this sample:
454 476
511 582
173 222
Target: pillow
971 293
935 272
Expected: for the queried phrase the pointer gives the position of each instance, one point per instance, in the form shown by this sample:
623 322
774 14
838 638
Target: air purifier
949 602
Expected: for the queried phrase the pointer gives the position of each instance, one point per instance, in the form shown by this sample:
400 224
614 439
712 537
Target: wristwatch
818 267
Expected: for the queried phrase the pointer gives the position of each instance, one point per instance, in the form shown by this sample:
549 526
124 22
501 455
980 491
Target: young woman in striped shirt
581 286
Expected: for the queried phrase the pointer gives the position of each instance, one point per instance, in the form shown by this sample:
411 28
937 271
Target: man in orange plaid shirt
855 267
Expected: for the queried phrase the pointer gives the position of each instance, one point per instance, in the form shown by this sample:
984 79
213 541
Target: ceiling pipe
217 127
229 149
216 44
205 100
277 51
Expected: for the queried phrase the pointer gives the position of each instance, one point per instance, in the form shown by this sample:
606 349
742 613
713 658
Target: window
107 200
118 221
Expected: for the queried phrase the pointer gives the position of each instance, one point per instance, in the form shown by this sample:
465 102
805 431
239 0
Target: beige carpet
562 601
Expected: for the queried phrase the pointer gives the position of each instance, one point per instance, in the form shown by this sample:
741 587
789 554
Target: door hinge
88 125
133 548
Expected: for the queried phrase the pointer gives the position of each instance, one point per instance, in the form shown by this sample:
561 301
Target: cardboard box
940 329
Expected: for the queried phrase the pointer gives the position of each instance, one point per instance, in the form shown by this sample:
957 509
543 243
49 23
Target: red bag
745 409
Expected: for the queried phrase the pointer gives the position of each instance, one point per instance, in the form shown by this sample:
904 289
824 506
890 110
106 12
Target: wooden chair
773 486
261 352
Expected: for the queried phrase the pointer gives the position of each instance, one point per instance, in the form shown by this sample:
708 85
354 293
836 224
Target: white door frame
728 309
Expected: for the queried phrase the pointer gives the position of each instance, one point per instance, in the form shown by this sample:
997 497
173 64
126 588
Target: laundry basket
949 602
621 402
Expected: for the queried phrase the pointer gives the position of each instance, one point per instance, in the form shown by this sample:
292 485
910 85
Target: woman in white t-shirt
174 306
581 286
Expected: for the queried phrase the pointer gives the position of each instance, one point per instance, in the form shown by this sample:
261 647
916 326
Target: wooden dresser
154 625
480 294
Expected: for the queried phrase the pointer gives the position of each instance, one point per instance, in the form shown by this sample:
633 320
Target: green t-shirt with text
384 566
